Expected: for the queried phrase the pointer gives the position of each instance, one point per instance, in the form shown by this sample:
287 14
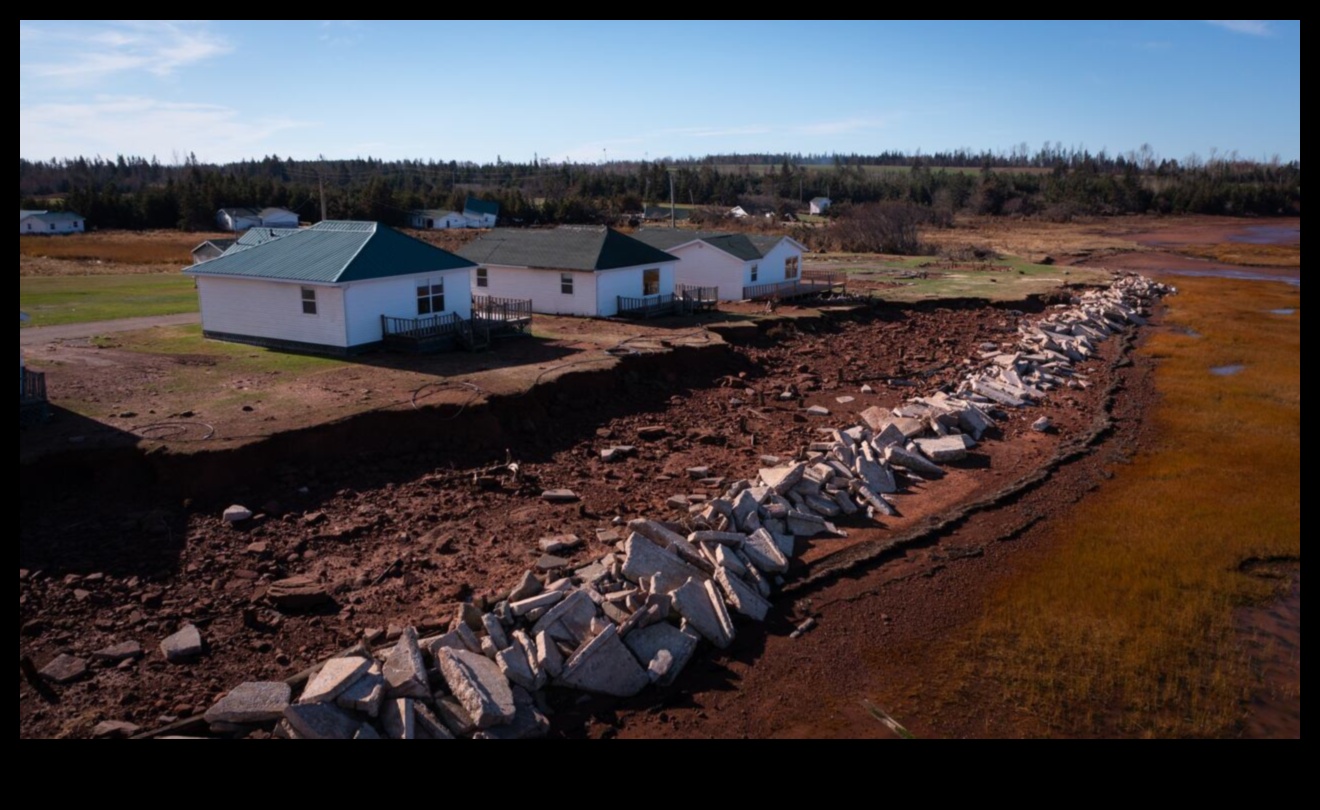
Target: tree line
135 192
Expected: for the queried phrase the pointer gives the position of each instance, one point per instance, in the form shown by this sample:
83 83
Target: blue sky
587 91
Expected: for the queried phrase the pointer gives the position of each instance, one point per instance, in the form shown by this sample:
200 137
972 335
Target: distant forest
1052 182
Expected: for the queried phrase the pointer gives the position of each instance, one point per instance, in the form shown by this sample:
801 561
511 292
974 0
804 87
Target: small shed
210 249
820 205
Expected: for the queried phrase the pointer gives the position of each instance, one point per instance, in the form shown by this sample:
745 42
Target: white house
820 205
324 289
570 270
733 262
240 219
49 222
481 213
434 218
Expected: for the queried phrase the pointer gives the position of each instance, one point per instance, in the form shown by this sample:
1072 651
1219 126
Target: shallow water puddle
1226 371
1284 311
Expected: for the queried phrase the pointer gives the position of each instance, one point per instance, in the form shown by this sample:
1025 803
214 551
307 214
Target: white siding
474 220
772 266
38 225
271 309
706 266
627 281
285 220
542 287
451 220
366 301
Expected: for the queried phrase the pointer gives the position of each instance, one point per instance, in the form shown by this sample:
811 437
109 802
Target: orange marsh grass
1126 626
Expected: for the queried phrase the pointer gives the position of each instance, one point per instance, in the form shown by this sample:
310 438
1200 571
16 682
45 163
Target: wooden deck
491 318
684 300
812 282
429 334
503 314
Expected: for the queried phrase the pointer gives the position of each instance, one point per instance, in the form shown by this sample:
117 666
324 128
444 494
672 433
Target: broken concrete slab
405 670
800 524
114 730
528 721
426 723
818 410
123 651
875 501
321 721
876 475
495 631
943 449
704 611
367 731
64 668
335 676
902 457
515 667
559 496
1042 425
550 562
183 645
722 538
741 596
450 712
396 719
527 587
366 694
548 657
479 686
559 543
647 643
655 531
644 559
573 615
604 666
782 479
875 418
541 600
297 593
890 434
251 702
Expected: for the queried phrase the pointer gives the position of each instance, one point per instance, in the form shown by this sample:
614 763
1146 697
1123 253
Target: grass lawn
51 300
1006 279
236 358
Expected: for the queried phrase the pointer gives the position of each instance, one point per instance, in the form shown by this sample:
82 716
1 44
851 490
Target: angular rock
237 514
549 562
902 457
366 694
651 433
515 667
875 418
183 645
548 657
943 449
335 676
321 721
495 631
764 552
782 479
644 559
569 620
366 731
722 538
541 600
478 685
725 558
298 593
396 718
846 504
559 543
559 496
123 651
404 670
818 410
528 722
647 644
704 611
1042 424
426 723
654 531
742 597
875 501
527 587
114 730
604 666
450 712
251 702
64 668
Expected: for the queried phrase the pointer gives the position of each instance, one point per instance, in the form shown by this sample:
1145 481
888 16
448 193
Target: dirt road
41 335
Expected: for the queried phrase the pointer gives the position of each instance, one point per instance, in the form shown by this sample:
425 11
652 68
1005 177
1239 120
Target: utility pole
320 183
672 218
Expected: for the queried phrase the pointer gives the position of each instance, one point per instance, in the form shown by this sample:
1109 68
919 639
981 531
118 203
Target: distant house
240 219
738 212
820 205
657 212
481 213
49 222
733 262
570 270
210 249
329 288
434 218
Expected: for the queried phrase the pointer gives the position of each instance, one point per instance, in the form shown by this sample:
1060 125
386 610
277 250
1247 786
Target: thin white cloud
1255 28
84 54
131 125
716 132
842 127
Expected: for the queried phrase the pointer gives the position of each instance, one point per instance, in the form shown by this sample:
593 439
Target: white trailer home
735 263
49 222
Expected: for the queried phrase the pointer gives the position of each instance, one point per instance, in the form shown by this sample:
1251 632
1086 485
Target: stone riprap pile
637 615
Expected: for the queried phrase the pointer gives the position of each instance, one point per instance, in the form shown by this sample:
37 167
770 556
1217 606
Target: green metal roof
333 252
476 206
50 216
568 247
739 245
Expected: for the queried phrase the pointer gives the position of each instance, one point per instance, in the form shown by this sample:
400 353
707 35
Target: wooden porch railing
812 282
431 326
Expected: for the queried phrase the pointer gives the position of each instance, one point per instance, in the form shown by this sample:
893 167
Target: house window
791 267
431 297
651 282
309 301
483 277
566 283
52 226
755 269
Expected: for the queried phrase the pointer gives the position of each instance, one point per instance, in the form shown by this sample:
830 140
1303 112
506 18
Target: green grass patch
929 278
187 341
51 300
